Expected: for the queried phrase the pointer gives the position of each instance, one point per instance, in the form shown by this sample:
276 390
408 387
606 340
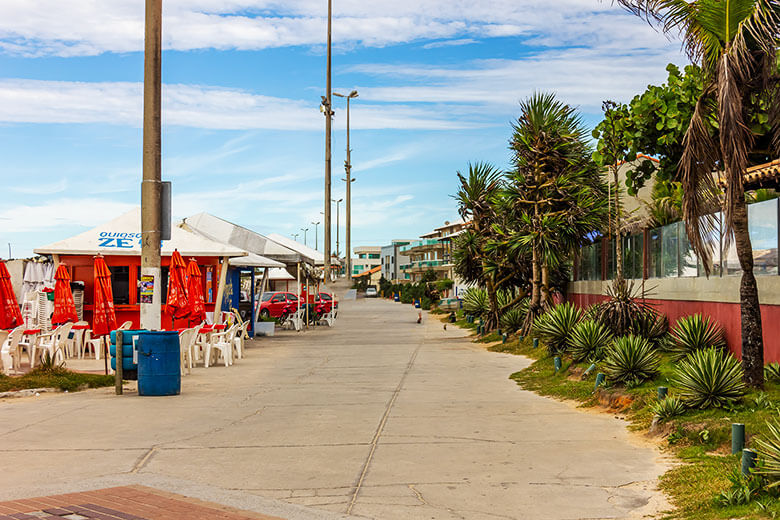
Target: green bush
555 326
475 302
512 320
695 332
772 372
622 306
426 303
631 360
709 377
668 408
768 450
588 341
651 325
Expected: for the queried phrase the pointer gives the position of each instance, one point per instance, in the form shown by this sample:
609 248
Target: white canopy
226 232
312 255
279 274
253 260
122 236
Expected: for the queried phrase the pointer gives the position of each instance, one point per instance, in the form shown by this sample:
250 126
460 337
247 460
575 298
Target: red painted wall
726 314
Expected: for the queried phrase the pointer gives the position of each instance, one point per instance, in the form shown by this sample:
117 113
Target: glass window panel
655 267
762 222
714 241
633 250
611 253
120 284
688 261
669 259
595 261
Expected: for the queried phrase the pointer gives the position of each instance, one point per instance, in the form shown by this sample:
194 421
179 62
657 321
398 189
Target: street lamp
317 235
295 236
304 235
349 180
327 110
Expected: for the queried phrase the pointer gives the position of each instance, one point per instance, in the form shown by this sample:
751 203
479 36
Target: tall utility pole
349 180
338 247
317 234
152 171
304 235
328 111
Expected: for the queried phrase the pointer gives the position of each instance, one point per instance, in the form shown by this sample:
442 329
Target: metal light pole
152 169
304 235
328 111
295 236
317 235
349 180
338 247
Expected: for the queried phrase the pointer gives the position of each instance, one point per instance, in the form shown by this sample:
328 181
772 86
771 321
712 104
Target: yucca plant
696 332
650 325
555 326
588 341
768 450
631 360
709 377
512 320
621 308
772 372
475 302
668 408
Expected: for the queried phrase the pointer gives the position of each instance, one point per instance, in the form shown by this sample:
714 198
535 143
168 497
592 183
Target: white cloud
88 27
60 213
35 101
450 43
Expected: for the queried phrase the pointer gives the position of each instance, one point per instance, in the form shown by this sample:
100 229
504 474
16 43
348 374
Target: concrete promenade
377 417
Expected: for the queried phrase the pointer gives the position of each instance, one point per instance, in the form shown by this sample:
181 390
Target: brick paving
121 503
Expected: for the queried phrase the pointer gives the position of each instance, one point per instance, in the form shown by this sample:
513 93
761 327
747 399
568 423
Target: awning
279 274
310 255
253 260
122 236
368 272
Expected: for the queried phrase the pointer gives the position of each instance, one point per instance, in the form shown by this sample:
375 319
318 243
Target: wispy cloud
450 43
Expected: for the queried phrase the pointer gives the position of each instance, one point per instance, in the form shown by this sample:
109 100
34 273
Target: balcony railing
422 264
420 243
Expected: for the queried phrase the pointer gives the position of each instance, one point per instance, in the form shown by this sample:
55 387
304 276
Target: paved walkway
377 417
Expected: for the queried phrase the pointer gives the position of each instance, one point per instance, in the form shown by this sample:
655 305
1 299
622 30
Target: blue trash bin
159 358
129 359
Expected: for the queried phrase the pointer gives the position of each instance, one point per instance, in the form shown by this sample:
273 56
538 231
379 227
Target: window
267 296
278 298
688 261
120 284
669 255
762 222
374 255
654 259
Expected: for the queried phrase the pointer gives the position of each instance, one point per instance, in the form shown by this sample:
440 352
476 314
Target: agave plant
631 360
768 450
650 325
622 306
588 341
709 377
772 372
696 332
512 320
475 302
555 326
668 408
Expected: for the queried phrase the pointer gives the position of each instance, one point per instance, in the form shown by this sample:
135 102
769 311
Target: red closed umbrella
103 317
195 292
64 306
178 307
10 315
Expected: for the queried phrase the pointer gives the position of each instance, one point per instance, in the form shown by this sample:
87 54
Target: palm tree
735 42
555 190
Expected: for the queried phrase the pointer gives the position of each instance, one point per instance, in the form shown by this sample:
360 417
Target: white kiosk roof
313 255
122 236
279 274
253 260
226 232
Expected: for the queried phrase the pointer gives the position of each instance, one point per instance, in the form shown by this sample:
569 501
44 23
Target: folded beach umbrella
64 306
103 317
195 292
178 307
10 314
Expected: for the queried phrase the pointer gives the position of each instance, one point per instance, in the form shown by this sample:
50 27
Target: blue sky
439 86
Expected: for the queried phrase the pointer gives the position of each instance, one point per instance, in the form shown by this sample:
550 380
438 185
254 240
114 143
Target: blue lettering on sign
119 240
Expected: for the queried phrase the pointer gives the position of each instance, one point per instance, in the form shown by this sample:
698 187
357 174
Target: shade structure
103 316
177 304
10 314
195 292
64 306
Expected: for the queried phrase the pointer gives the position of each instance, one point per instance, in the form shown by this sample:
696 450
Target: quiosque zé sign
119 240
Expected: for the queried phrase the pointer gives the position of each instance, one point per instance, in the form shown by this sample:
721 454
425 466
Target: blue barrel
129 366
159 372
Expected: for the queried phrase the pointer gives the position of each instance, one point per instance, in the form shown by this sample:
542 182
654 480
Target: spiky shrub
512 320
631 360
709 378
622 306
554 326
588 341
768 450
696 332
651 325
475 302
772 372
668 408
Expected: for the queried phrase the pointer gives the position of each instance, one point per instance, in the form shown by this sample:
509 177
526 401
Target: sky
243 138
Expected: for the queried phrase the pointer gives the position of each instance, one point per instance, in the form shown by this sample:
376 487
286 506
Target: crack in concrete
144 460
417 494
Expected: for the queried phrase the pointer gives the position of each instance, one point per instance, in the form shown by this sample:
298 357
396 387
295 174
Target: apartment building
366 258
392 259
433 252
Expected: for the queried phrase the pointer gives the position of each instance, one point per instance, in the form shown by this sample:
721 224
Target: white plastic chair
97 344
11 351
187 339
221 343
329 318
239 340
54 343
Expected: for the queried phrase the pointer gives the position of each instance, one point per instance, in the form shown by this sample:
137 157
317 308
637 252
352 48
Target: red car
277 304
326 302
